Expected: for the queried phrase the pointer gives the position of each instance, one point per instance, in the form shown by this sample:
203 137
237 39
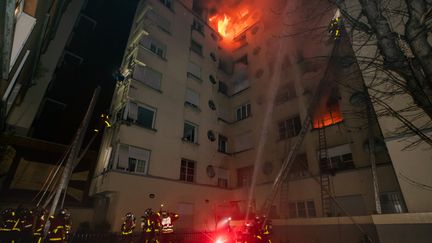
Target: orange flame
327 116
233 22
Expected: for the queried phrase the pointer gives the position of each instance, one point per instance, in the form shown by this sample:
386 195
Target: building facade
202 120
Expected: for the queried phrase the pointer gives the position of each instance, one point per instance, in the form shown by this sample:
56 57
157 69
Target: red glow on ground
232 22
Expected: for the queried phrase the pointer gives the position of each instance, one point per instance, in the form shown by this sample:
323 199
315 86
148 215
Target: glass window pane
145 117
311 209
301 209
132 164
292 210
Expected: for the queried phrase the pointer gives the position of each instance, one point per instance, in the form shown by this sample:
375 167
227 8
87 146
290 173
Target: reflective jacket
12 222
57 230
128 226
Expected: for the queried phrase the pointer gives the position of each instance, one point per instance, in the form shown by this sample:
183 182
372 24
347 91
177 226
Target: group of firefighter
26 225
154 226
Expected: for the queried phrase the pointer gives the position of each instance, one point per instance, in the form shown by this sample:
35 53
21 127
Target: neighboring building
31 47
199 122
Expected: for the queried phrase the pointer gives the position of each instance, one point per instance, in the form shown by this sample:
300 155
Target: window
222 178
311 209
194 71
244 176
187 170
244 111
160 21
192 98
222 144
196 47
289 128
198 6
190 132
198 26
328 111
167 3
223 88
299 167
222 183
243 59
141 115
340 158
133 159
154 46
243 142
285 93
302 209
147 76
392 202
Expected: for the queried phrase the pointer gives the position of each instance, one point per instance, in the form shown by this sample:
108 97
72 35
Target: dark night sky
102 49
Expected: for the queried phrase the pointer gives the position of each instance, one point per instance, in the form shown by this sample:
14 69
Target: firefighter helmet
129 215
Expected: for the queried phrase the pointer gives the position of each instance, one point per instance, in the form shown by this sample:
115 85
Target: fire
232 22
328 113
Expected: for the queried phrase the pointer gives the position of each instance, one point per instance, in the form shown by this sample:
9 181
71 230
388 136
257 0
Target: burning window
328 110
232 19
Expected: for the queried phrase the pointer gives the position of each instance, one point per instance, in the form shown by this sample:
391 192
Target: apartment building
200 121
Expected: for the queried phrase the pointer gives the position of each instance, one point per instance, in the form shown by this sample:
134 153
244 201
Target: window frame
135 120
309 212
184 170
130 157
224 148
245 111
244 176
195 132
196 47
290 122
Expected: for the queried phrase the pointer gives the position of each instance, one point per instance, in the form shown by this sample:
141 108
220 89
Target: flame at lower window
328 113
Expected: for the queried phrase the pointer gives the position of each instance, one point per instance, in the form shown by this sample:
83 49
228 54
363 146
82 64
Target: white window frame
305 204
245 111
127 152
185 170
132 113
195 131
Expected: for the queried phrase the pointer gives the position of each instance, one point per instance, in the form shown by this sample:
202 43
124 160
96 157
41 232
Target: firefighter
262 229
39 225
167 220
10 228
150 225
59 227
26 224
334 28
127 228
